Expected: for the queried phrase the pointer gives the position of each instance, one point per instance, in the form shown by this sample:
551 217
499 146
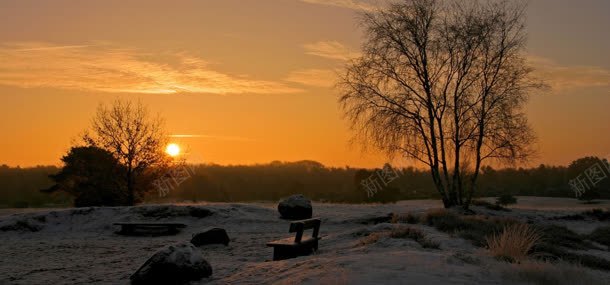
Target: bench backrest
299 226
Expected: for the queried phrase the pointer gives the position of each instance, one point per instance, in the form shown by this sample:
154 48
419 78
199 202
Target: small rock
211 236
295 207
173 264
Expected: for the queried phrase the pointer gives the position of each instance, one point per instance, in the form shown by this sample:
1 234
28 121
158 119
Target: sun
172 149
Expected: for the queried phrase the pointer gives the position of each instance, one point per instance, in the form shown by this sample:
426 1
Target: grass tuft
514 243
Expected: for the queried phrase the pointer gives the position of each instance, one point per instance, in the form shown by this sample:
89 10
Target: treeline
19 187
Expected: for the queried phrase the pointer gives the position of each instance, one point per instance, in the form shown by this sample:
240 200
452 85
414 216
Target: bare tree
443 83
136 140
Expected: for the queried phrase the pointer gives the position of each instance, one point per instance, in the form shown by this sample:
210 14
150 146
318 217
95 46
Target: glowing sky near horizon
241 82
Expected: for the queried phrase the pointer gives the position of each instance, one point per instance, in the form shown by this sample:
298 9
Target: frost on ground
69 246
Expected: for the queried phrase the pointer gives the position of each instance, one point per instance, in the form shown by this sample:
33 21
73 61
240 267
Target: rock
295 207
174 264
211 236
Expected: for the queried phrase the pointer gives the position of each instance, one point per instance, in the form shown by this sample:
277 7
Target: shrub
370 239
428 243
514 243
405 218
442 220
473 228
601 235
401 232
406 232
490 206
414 234
506 199
598 214
546 273
467 258
561 236
546 251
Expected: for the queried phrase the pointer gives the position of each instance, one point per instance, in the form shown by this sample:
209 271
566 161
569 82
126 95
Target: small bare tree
136 140
443 83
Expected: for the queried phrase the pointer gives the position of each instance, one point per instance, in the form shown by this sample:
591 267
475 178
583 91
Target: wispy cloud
215 137
563 77
313 77
330 49
106 68
349 4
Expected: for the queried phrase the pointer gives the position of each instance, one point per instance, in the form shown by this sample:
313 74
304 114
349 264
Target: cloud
564 78
313 77
106 68
330 50
349 4
215 137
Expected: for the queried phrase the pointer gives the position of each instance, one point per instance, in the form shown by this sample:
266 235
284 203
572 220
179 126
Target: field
361 244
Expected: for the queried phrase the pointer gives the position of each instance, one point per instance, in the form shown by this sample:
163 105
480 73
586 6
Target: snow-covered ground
79 246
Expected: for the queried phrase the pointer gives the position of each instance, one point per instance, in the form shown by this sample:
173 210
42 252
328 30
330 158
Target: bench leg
283 253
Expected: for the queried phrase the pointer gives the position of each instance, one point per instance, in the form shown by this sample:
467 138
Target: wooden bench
297 246
149 228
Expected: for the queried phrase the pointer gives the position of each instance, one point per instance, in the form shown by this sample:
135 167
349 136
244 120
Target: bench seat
296 246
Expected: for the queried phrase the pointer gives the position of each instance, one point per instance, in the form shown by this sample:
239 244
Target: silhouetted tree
135 139
90 174
443 83
589 178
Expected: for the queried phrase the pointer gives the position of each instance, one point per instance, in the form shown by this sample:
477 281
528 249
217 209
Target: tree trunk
130 190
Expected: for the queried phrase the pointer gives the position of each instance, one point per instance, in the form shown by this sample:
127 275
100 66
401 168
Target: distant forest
20 187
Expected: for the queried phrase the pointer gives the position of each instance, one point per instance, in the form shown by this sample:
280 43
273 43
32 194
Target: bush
506 199
401 232
601 235
442 220
546 273
490 206
514 243
561 236
598 214
404 218
473 228
370 239
546 251
595 214
416 235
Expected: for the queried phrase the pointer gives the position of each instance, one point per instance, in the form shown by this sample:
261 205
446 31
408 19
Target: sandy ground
79 246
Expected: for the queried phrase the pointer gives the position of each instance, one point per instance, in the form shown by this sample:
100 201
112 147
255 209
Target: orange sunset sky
250 81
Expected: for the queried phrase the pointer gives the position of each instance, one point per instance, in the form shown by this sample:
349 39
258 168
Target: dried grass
514 243
371 239
545 273
405 218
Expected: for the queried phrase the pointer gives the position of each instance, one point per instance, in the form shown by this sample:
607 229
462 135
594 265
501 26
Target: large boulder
211 236
295 207
174 264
